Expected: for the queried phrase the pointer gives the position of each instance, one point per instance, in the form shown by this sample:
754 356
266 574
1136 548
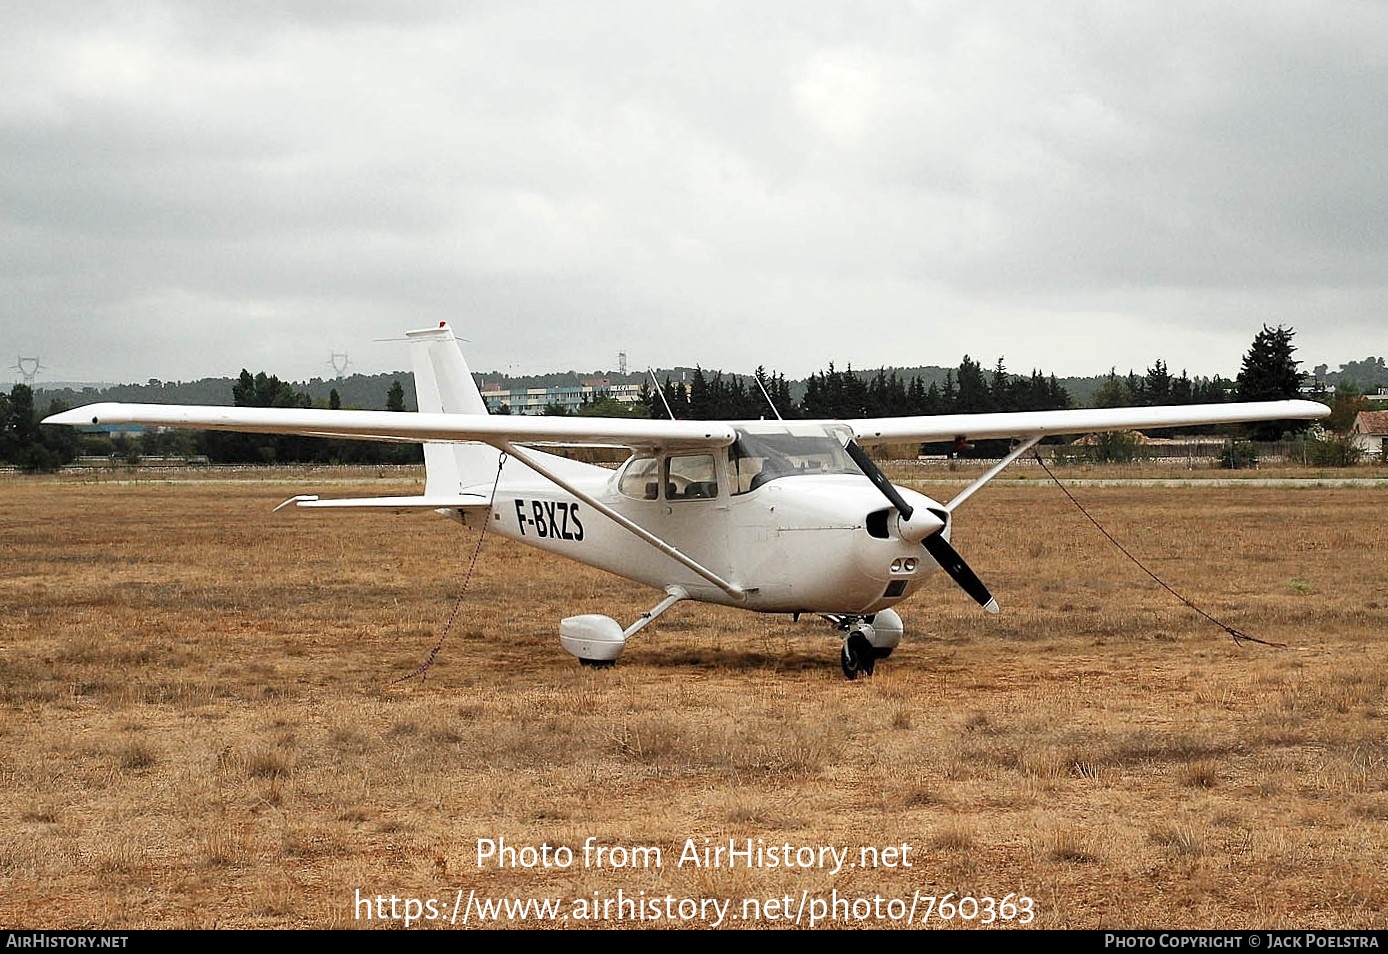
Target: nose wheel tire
858 656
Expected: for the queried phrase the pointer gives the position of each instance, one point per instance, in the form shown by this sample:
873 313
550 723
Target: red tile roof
1371 422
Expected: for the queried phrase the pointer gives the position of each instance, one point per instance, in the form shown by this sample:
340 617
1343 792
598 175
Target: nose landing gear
866 639
858 657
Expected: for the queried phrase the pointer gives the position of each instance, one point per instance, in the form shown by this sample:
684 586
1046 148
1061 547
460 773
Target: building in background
1369 431
570 398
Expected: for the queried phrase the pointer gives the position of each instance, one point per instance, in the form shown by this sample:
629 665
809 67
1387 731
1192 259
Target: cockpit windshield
770 450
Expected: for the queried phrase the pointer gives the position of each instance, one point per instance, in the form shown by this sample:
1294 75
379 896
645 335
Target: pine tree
1269 373
1181 389
1157 384
1002 387
974 394
22 442
1114 392
700 397
264 390
261 390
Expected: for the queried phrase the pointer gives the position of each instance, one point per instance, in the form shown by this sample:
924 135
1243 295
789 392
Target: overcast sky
192 188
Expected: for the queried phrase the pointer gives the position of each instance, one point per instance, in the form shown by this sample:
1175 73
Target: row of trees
23 443
28 445
262 390
1269 372
850 394
720 397
1159 386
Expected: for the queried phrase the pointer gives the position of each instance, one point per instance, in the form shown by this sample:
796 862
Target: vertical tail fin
443 385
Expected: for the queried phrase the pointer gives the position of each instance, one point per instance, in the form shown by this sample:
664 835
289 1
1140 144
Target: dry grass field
201 725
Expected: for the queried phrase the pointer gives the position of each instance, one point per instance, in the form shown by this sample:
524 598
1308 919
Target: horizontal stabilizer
425 502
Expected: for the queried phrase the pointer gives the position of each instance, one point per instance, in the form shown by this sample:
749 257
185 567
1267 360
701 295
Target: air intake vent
877 524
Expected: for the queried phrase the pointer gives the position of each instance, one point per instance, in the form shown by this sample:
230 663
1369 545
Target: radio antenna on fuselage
757 378
661 391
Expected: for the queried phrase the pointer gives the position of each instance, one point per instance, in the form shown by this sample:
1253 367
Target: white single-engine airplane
771 516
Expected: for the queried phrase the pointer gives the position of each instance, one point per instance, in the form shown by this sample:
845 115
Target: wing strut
732 589
993 471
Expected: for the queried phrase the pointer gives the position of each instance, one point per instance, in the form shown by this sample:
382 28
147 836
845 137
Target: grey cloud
186 190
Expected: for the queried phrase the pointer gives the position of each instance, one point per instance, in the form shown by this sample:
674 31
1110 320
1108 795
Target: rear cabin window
641 479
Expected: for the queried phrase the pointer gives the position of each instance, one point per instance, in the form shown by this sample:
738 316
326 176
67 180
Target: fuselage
782 514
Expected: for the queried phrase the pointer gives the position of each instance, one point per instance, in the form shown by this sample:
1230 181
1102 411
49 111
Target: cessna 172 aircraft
771 516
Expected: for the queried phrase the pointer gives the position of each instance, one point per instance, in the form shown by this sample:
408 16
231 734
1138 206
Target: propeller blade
952 563
879 479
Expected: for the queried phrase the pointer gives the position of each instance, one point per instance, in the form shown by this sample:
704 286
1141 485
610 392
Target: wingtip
992 607
74 416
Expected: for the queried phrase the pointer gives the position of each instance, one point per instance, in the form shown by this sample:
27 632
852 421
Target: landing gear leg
597 641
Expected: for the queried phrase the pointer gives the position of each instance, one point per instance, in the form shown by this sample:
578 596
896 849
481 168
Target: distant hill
1367 375
365 391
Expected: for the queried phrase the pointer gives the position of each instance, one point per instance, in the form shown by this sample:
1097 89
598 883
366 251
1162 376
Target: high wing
949 427
648 434
414 428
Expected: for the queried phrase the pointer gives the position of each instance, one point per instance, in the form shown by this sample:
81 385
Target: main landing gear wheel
858 657
598 663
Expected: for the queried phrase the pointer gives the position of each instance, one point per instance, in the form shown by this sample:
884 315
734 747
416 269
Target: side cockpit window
691 477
